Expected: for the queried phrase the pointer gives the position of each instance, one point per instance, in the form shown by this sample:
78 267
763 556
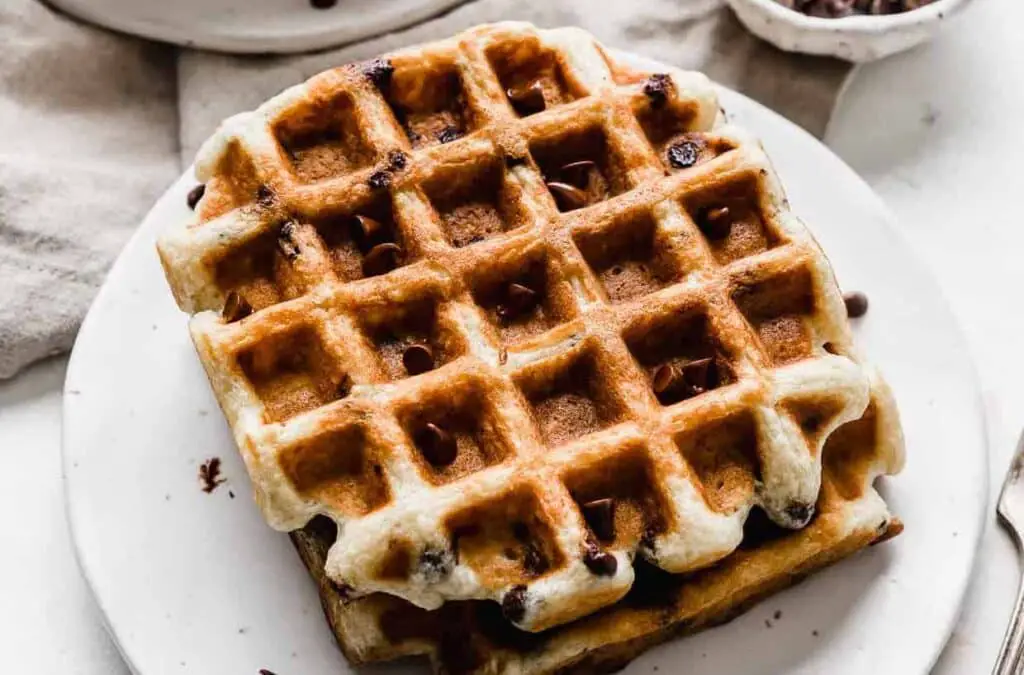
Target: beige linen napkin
88 140
95 125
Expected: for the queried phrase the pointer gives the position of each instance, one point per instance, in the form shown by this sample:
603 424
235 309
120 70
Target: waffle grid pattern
545 408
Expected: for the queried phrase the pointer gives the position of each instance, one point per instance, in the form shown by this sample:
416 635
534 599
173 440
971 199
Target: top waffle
511 316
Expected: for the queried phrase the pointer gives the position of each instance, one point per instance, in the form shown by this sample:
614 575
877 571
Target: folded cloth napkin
97 124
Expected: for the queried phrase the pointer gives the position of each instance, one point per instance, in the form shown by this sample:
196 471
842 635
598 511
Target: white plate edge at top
325 28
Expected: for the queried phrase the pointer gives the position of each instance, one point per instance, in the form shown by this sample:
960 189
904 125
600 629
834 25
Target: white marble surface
936 132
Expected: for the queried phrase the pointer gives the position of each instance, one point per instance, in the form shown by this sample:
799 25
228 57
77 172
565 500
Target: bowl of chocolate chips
853 30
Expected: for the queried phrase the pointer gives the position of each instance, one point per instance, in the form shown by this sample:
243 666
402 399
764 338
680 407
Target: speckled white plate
254 26
197 583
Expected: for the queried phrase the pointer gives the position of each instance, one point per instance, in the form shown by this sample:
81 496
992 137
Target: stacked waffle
527 351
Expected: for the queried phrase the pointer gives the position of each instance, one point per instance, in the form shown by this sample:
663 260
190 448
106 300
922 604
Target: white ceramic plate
196 583
254 26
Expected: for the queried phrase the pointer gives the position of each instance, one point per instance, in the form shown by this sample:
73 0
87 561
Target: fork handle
1009 661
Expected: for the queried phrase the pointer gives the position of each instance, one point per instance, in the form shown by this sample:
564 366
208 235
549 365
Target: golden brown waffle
474 637
511 316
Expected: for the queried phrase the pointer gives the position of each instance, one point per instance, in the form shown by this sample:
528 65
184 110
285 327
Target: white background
936 132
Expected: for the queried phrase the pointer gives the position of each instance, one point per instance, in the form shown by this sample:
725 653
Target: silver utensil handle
1009 661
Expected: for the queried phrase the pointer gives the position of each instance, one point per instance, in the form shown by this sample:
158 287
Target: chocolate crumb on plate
209 474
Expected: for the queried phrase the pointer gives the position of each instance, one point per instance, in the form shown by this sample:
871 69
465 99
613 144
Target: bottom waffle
474 637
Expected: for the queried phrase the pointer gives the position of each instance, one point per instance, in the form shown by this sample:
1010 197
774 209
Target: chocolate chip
381 259
344 386
665 379
520 531
835 9
800 513
503 356
379 72
323 4
417 359
672 384
286 241
367 230
519 301
194 195
521 298
527 98
647 539
448 134
436 564
578 173
600 516
714 222
534 561
437 445
701 375
811 424
568 197
601 563
829 9
235 307
343 590
512 161
264 195
856 304
380 180
513 605
683 155
657 88
397 160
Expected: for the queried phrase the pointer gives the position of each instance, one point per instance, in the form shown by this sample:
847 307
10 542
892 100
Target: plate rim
878 205
331 35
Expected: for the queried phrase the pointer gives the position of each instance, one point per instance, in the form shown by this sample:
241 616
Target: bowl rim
860 23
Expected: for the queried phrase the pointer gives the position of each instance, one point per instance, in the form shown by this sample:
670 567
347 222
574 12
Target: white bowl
858 38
